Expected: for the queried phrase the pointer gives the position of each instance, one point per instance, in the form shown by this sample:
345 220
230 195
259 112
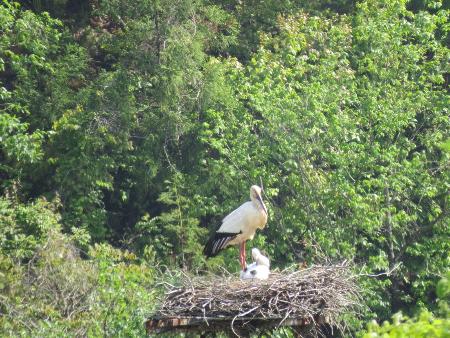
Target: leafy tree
343 119
48 288
424 325
260 17
401 326
130 129
139 116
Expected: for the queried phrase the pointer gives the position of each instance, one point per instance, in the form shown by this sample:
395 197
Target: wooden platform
241 326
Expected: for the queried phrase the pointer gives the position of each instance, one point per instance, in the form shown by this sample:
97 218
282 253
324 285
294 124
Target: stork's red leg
242 255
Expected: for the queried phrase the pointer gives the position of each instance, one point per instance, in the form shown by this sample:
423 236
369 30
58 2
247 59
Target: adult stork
239 226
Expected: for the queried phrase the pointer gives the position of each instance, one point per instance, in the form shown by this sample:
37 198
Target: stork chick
260 269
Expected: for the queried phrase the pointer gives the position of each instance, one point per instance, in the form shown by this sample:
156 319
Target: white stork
239 226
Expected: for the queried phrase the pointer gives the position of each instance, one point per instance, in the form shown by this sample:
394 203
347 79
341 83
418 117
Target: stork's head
255 253
255 191
255 195
259 258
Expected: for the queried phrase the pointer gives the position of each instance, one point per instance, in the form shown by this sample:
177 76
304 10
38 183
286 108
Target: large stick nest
324 292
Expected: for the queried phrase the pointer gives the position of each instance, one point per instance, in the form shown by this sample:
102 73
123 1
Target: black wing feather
217 242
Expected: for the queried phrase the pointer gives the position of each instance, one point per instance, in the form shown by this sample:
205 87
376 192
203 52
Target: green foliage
124 290
138 114
342 119
128 130
18 146
25 227
186 237
48 289
37 62
443 293
255 17
424 326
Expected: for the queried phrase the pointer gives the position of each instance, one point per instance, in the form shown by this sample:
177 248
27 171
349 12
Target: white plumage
239 226
259 258
260 269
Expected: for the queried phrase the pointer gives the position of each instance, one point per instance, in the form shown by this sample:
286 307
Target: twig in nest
319 291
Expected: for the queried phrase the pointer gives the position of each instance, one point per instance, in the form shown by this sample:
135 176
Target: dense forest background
128 129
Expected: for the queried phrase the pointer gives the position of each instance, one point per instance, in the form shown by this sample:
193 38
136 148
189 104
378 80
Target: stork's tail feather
217 242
